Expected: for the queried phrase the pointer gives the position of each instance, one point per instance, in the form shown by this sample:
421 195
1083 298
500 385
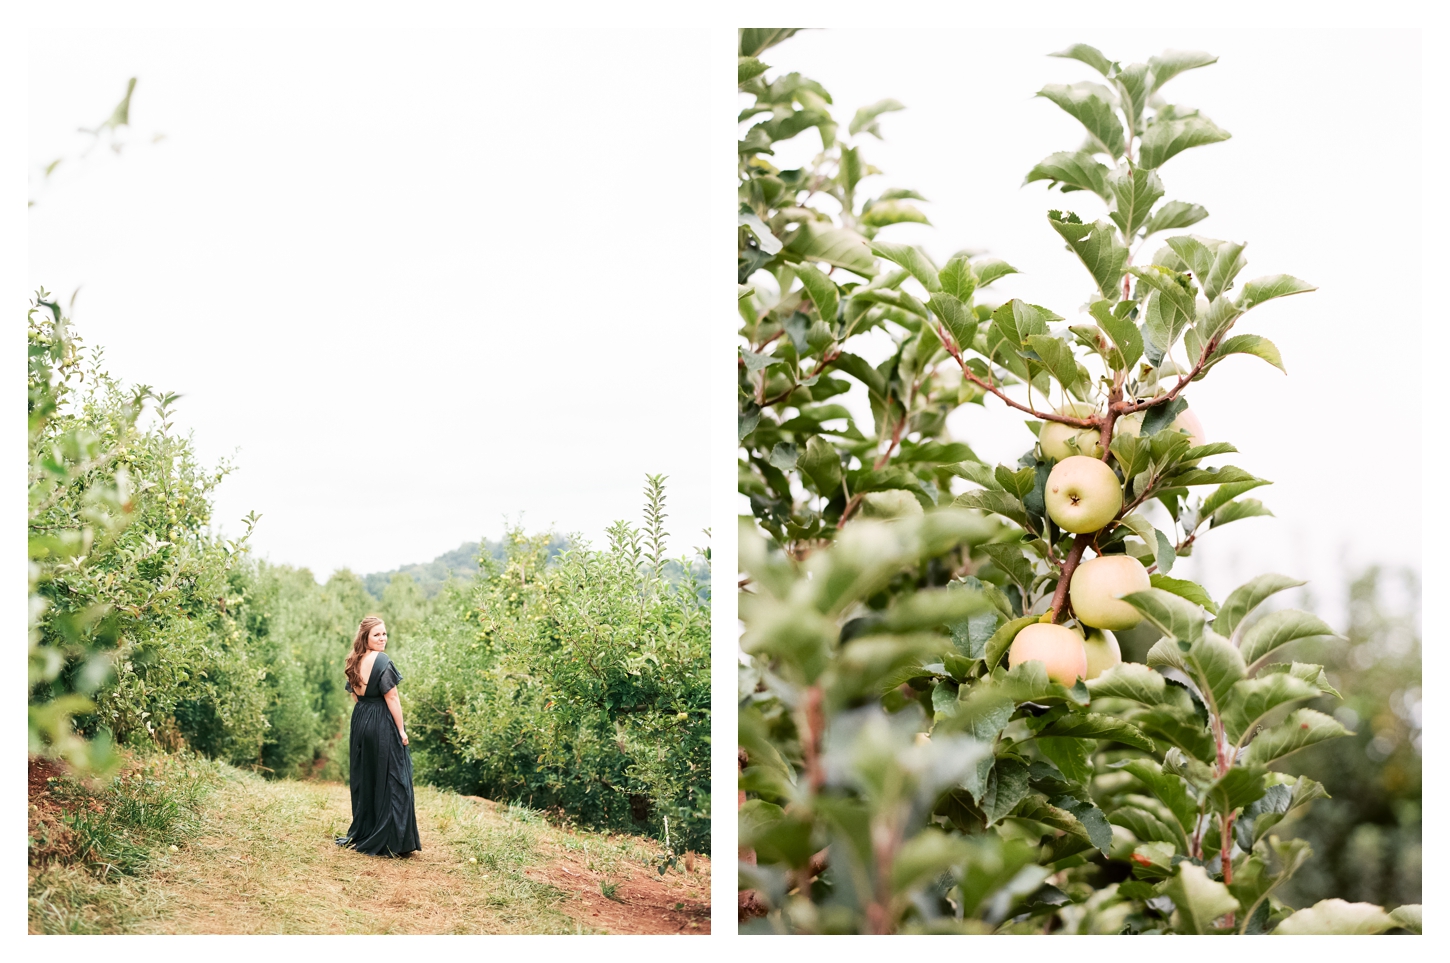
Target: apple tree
937 731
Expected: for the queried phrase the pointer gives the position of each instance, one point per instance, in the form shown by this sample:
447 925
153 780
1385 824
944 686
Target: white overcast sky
1321 178
418 280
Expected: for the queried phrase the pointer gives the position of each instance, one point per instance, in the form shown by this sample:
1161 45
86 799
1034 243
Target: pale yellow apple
1082 494
1186 421
1061 441
1056 646
890 504
1102 652
1097 585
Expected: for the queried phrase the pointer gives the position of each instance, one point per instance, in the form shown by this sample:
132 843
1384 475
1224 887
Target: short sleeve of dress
388 676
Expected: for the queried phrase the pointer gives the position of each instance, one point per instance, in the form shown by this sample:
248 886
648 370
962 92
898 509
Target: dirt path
266 863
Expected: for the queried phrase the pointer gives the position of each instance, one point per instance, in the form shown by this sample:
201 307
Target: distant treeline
462 564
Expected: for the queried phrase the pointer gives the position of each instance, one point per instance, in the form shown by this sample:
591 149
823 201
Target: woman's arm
396 708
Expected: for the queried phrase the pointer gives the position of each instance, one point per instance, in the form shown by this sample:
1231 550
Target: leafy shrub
579 687
127 587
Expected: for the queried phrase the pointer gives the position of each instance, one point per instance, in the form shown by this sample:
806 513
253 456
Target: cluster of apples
1083 494
1094 589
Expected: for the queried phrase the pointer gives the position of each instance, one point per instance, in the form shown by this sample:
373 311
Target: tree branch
968 373
1069 565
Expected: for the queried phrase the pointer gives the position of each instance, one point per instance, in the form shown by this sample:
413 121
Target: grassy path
264 861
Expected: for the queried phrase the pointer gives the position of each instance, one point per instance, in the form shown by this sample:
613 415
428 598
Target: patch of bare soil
50 838
642 902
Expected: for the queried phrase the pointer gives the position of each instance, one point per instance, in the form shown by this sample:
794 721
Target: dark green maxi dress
381 776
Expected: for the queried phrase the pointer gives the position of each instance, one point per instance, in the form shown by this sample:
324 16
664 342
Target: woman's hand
405 738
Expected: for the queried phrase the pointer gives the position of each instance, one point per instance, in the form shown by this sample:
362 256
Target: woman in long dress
383 819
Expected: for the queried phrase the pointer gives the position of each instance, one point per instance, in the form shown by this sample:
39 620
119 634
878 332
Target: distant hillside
460 563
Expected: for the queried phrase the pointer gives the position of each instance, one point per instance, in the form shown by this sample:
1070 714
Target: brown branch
881 460
1128 407
968 373
820 367
895 440
750 904
1069 565
811 738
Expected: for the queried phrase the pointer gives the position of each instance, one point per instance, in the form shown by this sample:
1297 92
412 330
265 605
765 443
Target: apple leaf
1017 321
997 502
821 290
1247 597
1235 510
814 241
1226 493
958 279
1099 248
989 269
1124 333
1252 699
769 243
957 317
1099 832
1212 448
1089 55
1308 672
1200 900
1171 63
883 213
1280 628
1246 344
1057 357
1173 616
1303 728
1092 106
1006 787
1183 588
1139 525
1135 191
1335 917
1168 788
913 260
1210 476
1165 138
1408 916
1237 788
1176 726
1129 680
1145 825
1163 553
1215 665
1174 215
1093 725
1259 290
1252 881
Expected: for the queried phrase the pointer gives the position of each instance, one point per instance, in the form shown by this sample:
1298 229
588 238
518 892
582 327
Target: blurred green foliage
1367 835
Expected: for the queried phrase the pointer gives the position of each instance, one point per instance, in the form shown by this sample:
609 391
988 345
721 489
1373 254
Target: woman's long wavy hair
359 649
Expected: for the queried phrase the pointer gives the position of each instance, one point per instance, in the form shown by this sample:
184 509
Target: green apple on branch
1102 651
1059 440
1057 647
1097 587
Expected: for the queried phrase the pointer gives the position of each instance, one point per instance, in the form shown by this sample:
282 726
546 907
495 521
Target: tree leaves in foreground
937 731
